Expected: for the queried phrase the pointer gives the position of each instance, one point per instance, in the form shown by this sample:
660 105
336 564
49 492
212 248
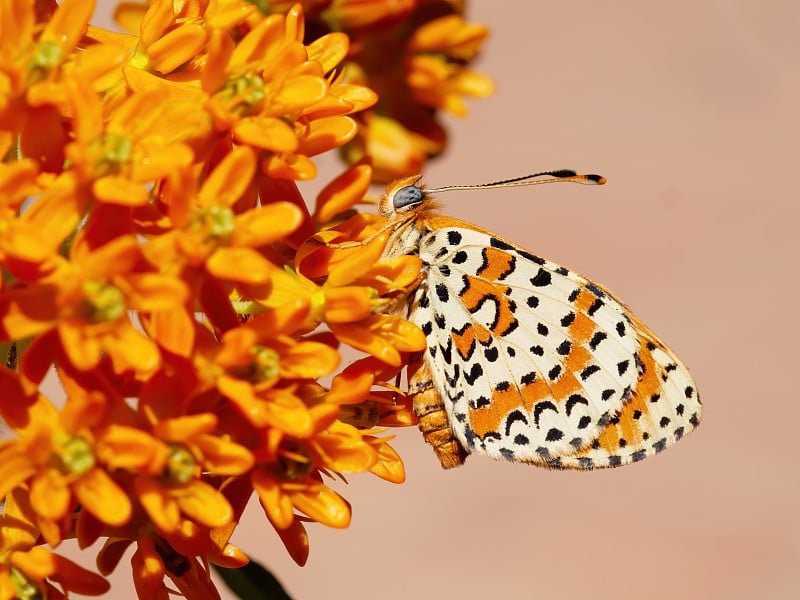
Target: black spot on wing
531 257
512 418
453 238
598 337
500 244
554 434
589 371
573 400
475 371
595 290
540 408
596 305
542 278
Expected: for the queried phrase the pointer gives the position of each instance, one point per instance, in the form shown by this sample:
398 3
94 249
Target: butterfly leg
430 411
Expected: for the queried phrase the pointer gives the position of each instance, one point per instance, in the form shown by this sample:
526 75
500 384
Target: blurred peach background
692 112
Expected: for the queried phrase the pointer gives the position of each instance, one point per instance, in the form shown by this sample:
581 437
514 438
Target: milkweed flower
158 255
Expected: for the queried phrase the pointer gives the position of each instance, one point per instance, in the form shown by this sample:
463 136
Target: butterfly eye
407 197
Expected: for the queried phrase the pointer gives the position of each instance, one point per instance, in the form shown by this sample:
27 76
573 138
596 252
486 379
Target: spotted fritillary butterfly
528 361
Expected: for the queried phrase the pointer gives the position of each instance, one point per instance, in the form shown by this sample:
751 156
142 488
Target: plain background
691 109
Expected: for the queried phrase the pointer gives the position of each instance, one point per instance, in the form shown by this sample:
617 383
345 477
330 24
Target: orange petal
275 503
116 189
361 338
160 507
298 92
50 496
154 291
181 429
129 349
328 133
102 497
352 385
240 264
37 563
82 350
295 539
155 160
280 408
343 193
321 504
342 449
348 304
353 263
173 330
130 448
147 566
110 554
398 273
223 457
27 311
267 133
77 579
203 504
289 166
329 50
308 360
389 465
266 224
68 24
177 47
230 178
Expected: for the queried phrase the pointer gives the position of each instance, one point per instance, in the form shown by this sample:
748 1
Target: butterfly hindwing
533 361
663 408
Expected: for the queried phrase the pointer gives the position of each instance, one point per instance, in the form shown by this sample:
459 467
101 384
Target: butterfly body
528 361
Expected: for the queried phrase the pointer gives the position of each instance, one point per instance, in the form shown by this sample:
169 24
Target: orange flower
54 456
436 74
208 231
28 570
436 46
251 362
176 487
118 154
271 92
87 300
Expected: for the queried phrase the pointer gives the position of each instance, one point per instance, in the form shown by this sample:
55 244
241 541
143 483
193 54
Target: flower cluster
156 251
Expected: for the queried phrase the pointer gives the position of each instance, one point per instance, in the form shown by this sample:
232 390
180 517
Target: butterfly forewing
534 359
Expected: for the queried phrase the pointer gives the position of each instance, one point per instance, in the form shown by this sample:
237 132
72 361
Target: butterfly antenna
532 179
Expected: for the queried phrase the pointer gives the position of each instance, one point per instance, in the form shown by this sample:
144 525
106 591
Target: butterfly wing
534 363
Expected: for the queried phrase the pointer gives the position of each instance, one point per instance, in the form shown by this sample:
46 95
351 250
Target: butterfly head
402 197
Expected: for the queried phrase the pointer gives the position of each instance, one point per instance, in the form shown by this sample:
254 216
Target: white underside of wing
534 355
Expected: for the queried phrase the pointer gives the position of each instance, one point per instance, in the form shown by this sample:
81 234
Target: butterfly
526 360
